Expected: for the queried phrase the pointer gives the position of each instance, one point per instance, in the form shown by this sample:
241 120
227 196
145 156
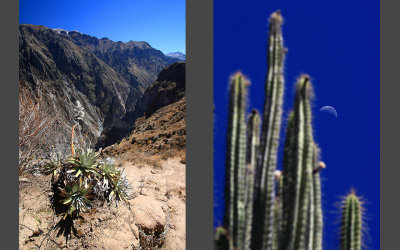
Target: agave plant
121 188
108 172
76 195
85 163
107 175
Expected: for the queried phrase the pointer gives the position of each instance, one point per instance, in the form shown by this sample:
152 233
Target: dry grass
155 160
139 158
172 153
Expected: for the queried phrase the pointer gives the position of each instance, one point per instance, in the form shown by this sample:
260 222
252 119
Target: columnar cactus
267 208
274 87
298 171
351 224
235 162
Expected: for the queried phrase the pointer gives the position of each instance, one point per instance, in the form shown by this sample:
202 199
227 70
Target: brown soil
162 131
155 214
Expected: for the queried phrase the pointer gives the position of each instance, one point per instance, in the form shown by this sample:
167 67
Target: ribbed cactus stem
277 229
289 177
253 142
236 161
318 216
298 193
309 235
263 221
305 203
351 227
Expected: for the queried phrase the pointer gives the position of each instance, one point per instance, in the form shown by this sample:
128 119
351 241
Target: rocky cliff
106 77
169 88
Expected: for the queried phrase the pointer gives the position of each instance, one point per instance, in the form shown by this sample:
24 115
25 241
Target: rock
148 214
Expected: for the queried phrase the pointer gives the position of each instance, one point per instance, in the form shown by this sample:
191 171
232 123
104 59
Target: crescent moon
329 109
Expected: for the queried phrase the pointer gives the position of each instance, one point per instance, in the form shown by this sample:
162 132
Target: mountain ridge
177 55
106 77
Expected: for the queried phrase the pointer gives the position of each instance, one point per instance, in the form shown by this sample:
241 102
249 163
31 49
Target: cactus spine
350 235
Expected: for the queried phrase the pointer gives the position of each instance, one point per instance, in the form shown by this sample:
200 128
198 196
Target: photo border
199 124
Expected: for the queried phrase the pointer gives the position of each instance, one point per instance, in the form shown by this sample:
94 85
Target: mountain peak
177 55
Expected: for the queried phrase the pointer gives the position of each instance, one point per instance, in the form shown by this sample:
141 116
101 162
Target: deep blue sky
160 23
337 44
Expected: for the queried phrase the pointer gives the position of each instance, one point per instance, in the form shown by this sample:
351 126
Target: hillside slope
168 89
107 77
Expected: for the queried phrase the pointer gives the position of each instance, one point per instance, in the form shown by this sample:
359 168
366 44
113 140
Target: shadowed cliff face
108 78
169 88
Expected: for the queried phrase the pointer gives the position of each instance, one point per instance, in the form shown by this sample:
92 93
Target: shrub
34 127
82 179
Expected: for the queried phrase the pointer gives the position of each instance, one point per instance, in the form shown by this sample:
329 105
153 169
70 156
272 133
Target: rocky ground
153 157
153 218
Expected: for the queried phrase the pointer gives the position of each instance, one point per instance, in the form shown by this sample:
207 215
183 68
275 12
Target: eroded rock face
169 88
106 77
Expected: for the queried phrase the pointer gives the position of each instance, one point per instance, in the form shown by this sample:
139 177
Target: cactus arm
297 173
298 197
251 160
306 202
236 154
288 174
350 235
241 164
318 216
270 136
278 210
358 224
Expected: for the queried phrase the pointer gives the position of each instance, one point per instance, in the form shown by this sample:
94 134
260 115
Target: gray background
9 124
390 124
199 124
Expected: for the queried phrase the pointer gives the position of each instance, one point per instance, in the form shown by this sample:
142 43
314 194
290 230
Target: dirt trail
155 214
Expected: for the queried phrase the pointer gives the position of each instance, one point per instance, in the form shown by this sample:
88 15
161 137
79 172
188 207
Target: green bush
79 181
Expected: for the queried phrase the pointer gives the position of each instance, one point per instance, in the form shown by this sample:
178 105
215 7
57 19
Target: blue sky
160 23
337 44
